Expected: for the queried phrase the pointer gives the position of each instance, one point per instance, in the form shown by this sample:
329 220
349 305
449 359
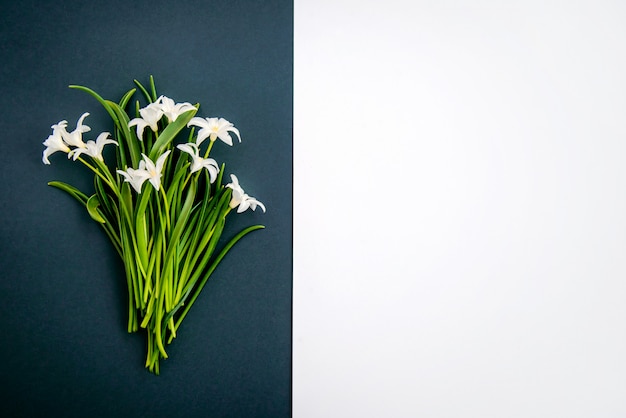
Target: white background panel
459 209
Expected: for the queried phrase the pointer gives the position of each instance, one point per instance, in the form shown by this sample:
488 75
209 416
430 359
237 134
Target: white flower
198 162
147 171
150 116
55 142
74 138
57 128
240 198
154 170
173 111
135 177
214 128
93 149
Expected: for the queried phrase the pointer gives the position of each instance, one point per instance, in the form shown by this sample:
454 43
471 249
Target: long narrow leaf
219 258
180 224
125 99
99 99
106 201
143 91
127 133
71 190
153 89
92 208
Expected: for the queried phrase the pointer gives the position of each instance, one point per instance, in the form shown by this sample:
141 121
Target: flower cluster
61 140
167 235
150 116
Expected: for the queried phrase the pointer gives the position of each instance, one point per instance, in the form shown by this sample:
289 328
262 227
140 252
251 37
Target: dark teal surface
65 351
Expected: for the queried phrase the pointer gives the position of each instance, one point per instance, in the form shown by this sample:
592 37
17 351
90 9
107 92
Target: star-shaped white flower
214 128
173 110
137 177
54 142
154 170
93 149
147 170
150 116
240 198
74 138
198 162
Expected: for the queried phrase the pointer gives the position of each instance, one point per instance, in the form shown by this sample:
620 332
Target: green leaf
141 234
108 204
131 140
218 183
143 91
153 89
178 175
211 231
71 190
92 207
99 99
126 98
180 224
141 228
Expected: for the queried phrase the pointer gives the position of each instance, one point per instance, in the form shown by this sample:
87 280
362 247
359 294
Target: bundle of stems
163 209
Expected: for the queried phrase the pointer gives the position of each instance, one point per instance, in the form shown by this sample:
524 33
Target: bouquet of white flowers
166 231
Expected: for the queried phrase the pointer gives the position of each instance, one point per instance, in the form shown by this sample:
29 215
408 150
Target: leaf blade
92 208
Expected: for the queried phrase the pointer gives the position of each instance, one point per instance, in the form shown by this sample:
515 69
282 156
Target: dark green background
64 350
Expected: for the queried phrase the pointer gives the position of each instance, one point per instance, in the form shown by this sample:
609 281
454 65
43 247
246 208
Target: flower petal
226 138
254 203
189 148
199 122
141 125
161 161
235 131
79 125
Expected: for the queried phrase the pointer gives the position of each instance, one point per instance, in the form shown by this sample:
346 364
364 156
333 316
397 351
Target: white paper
459 209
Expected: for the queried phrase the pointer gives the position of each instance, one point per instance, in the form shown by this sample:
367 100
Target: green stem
99 174
208 150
